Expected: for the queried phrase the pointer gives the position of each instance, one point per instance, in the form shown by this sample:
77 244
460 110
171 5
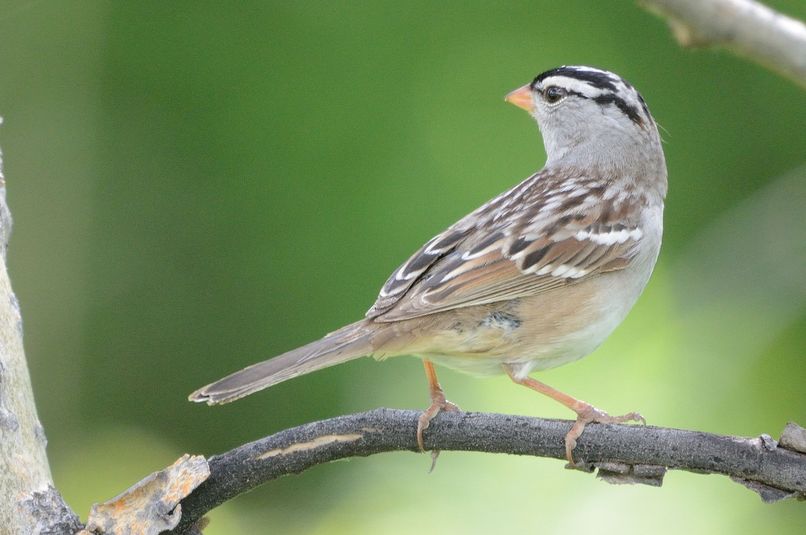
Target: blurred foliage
199 185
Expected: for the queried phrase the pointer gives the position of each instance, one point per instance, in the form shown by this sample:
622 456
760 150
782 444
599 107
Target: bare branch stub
793 438
151 505
745 27
623 454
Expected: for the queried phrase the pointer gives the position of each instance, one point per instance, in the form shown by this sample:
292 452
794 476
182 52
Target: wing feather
519 244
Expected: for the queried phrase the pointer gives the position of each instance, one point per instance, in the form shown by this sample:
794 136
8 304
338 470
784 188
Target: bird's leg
586 413
438 403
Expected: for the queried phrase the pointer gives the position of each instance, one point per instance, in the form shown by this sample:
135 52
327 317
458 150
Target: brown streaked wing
511 248
498 278
517 268
409 272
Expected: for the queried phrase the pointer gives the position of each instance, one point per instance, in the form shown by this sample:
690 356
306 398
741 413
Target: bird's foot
587 413
438 404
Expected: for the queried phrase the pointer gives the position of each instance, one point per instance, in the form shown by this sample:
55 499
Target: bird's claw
590 414
438 404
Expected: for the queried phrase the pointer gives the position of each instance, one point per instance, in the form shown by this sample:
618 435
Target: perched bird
537 277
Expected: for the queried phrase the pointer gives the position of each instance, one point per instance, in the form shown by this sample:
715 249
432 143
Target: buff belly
534 333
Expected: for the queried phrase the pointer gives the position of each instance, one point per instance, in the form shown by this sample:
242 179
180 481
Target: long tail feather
346 344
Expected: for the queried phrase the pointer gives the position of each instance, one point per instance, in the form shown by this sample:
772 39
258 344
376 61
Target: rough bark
28 500
623 454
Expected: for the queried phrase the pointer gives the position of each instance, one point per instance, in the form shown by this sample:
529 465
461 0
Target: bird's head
590 116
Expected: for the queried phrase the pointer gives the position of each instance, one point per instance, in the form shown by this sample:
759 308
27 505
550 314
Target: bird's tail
348 343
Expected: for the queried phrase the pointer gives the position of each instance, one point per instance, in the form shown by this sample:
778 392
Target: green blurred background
200 185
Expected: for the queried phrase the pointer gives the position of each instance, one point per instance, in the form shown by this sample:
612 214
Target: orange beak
522 98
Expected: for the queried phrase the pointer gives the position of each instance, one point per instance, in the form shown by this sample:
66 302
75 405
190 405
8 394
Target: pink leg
586 413
438 403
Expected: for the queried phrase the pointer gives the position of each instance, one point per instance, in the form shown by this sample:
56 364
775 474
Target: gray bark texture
622 453
28 501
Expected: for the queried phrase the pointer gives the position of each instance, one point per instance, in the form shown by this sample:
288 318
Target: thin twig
621 452
745 27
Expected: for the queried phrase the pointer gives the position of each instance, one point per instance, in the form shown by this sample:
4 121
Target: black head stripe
603 81
643 103
629 111
598 79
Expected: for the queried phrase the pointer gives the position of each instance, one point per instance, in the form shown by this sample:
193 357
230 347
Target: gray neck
633 154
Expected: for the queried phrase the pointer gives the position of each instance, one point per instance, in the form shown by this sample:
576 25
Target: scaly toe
591 414
629 417
437 405
450 407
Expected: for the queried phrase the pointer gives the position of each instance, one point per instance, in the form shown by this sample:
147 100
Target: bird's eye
554 94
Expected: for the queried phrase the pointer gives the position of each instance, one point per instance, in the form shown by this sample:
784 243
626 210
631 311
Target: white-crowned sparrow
535 278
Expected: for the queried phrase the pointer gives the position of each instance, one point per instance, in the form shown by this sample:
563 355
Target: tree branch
745 27
632 454
28 499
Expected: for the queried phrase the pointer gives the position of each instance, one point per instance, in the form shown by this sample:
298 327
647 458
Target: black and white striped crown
603 87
